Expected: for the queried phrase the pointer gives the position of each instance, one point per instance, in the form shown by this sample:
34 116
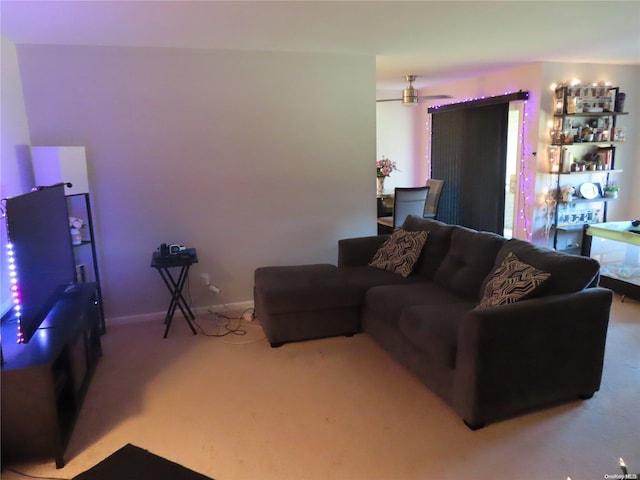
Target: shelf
590 114
574 227
580 144
573 120
588 171
84 242
79 205
587 200
571 250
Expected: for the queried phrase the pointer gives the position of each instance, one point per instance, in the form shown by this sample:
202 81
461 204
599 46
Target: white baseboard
225 307
159 316
143 317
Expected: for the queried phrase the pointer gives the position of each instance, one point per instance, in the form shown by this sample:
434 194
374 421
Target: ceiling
440 41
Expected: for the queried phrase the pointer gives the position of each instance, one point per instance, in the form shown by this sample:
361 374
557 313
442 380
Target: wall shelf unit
582 156
84 248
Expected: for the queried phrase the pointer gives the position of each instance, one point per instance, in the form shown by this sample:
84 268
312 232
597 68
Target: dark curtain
469 152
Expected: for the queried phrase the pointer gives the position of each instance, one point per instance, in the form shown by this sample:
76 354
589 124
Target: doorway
514 152
469 142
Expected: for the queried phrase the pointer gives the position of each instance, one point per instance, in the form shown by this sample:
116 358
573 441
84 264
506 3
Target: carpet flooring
232 408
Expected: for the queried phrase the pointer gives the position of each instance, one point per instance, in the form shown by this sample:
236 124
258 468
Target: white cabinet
53 165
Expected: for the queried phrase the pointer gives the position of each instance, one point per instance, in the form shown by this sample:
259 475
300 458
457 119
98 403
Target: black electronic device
171 249
41 251
175 249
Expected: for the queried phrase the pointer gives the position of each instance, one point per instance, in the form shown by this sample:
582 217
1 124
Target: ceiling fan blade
433 97
420 98
411 96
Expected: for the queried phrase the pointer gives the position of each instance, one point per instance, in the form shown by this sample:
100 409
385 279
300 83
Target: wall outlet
205 279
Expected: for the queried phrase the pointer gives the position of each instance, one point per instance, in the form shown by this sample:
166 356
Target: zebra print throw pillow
400 252
513 280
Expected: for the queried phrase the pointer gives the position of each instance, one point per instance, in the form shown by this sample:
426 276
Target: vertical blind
469 152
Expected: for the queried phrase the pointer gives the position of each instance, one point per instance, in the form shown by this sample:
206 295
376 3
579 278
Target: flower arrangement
384 167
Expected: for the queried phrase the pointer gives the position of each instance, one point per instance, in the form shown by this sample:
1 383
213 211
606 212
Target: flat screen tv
40 238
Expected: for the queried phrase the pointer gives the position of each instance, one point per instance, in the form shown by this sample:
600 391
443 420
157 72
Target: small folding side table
163 264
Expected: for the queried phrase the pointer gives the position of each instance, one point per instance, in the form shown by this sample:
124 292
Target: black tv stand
44 381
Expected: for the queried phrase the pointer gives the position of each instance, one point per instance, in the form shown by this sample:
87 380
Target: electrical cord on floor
230 328
27 475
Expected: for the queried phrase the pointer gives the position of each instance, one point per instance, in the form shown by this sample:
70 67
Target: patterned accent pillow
400 252
513 280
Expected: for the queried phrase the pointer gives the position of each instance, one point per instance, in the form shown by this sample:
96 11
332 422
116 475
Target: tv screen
39 234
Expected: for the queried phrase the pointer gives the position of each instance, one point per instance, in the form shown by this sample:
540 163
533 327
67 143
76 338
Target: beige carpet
233 408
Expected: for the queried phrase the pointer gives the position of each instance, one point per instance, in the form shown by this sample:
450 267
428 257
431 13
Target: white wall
16 175
397 126
252 158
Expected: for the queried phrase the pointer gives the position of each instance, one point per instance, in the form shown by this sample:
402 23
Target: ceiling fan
411 96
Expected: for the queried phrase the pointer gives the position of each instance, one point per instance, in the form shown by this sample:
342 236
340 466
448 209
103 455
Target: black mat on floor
135 463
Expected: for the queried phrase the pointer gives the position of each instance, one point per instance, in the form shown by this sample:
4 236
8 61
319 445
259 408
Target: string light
623 466
14 288
428 152
525 203
472 99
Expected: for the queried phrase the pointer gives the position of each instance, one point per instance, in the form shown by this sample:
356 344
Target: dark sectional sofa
488 363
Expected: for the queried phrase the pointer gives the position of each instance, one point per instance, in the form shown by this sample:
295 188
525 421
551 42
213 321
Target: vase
380 184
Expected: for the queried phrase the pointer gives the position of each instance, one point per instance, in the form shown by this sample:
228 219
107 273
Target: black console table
163 264
44 381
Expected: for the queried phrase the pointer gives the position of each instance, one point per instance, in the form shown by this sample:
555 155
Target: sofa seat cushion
389 301
568 273
468 262
299 288
433 329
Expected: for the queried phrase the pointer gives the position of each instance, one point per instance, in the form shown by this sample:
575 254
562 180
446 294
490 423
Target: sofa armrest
529 354
354 252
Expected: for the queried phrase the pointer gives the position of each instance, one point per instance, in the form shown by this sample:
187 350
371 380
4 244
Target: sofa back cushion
569 273
436 246
471 257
